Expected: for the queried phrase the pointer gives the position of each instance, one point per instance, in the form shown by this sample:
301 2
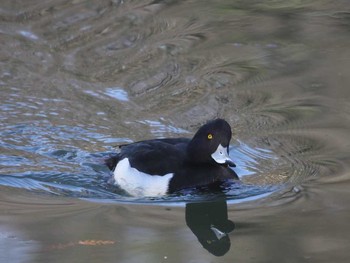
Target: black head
210 143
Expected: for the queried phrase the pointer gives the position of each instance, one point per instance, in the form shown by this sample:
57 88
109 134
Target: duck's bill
221 156
230 163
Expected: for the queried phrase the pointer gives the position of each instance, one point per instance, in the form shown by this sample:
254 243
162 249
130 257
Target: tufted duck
160 166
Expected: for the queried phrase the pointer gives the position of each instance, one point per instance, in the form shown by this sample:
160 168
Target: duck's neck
196 155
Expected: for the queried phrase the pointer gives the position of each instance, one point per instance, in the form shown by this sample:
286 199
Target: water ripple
81 77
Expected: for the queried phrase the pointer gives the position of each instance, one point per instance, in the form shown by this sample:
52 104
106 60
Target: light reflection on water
76 172
117 93
92 181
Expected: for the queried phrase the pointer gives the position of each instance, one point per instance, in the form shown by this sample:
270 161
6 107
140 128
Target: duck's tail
112 161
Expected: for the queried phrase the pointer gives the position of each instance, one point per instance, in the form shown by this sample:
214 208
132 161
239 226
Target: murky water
79 77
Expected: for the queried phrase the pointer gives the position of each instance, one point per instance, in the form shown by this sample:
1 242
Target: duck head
210 144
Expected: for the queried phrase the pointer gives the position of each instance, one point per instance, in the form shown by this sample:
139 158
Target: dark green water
79 77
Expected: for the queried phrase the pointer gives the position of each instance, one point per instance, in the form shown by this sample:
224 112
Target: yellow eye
210 136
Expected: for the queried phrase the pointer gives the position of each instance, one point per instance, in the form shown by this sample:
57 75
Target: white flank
138 183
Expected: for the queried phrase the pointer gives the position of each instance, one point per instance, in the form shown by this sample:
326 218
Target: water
79 77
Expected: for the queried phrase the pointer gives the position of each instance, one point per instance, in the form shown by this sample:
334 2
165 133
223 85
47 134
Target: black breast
192 175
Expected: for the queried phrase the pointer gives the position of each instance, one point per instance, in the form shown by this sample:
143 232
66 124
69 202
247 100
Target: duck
159 167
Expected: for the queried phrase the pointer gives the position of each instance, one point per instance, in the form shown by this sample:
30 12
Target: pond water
79 77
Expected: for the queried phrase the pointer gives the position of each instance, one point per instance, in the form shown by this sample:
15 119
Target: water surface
78 78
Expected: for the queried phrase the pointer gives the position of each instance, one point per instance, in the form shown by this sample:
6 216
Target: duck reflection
208 221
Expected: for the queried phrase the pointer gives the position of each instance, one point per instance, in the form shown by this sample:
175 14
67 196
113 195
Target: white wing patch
138 183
